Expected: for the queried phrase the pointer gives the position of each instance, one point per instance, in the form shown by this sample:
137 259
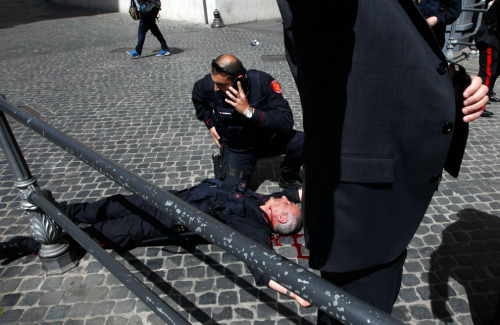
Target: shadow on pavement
21 12
158 278
470 254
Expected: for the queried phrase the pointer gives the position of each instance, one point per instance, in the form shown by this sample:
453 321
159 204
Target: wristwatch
249 113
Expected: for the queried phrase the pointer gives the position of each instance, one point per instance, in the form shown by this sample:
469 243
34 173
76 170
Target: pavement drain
173 50
122 50
273 57
29 110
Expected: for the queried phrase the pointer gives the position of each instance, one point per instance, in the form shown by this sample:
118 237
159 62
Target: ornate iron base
61 263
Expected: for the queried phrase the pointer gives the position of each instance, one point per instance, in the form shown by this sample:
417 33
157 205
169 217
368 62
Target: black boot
17 247
48 195
487 113
290 182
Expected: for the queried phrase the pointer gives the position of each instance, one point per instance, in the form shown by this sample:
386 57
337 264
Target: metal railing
321 293
453 41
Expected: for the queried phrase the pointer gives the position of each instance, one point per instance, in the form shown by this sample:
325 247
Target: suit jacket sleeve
449 11
259 234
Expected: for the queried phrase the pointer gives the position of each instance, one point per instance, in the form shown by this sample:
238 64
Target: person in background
147 22
487 43
439 14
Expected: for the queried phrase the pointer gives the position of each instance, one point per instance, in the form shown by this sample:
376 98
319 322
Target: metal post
55 254
205 11
451 42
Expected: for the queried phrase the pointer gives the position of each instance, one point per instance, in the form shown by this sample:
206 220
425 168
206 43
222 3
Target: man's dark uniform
446 11
124 221
268 133
487 43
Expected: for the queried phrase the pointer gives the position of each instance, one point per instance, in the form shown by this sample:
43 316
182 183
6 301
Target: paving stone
51 298
420 312
9 300
80 310
30 299
134 320
9 285
208 298
118 292
75 295
33 315
11 316
195 272
51 284
30 284
96 321
94 280
204 285
227 298
57 312
102 308
224 313
124 306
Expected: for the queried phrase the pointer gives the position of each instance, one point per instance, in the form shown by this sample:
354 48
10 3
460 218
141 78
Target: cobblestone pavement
70 67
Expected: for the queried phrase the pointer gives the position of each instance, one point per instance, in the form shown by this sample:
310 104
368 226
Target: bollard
217 23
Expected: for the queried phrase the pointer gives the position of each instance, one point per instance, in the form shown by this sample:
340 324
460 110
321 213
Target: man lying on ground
124 221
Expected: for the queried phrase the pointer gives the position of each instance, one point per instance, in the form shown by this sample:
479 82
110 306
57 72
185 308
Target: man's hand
215 136
432 21
475 97
301 301
281 289
237 99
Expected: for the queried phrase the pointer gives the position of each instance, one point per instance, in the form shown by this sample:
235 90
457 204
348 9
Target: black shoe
293 183
494 98
16 247
487 113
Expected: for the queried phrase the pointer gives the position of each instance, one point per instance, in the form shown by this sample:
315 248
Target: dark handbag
134 13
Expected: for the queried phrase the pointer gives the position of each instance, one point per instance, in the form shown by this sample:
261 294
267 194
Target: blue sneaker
163 53
134 54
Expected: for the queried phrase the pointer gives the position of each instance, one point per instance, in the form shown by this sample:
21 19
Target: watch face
249 113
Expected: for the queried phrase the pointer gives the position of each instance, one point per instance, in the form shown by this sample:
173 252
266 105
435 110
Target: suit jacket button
442 67
447 128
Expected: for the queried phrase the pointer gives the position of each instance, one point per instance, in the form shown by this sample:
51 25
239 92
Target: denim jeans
146 24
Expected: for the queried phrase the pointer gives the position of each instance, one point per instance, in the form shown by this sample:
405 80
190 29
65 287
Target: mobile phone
244 84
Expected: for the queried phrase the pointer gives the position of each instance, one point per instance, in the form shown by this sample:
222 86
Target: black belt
237 173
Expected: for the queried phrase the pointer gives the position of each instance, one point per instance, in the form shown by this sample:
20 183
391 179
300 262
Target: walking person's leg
141 37
156 33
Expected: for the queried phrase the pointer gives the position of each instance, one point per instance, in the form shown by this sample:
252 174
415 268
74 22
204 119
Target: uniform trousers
121 221
245 159
489 69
